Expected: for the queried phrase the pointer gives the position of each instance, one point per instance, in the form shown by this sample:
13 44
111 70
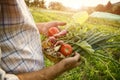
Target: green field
105 66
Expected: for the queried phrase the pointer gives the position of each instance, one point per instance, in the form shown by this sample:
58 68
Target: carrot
61 33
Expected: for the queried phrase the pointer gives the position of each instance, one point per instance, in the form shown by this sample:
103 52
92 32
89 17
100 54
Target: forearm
49 73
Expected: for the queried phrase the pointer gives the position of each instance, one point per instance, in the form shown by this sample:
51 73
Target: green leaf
86 47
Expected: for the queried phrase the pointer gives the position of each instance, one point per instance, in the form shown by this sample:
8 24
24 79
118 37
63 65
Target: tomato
66 49
52 31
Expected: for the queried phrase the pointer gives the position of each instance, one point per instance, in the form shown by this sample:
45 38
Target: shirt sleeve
4 75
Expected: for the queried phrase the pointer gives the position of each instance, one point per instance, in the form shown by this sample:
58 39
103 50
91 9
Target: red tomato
66 49
52 31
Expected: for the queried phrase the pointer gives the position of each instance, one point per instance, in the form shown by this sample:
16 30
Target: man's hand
71 62
50 73
43 27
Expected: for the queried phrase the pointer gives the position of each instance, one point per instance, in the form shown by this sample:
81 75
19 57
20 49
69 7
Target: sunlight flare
77 4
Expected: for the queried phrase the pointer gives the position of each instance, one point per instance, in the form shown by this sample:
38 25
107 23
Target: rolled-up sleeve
4 75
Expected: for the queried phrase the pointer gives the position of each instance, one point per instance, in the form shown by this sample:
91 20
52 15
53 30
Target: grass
41 15
95 67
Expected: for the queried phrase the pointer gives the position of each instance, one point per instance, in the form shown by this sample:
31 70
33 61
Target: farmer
21 55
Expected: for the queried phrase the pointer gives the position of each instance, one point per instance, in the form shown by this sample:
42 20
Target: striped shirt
19 40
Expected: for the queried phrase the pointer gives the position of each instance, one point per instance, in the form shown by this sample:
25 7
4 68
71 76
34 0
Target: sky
81 3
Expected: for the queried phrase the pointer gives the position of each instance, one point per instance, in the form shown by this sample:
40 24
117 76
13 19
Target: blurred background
94 20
